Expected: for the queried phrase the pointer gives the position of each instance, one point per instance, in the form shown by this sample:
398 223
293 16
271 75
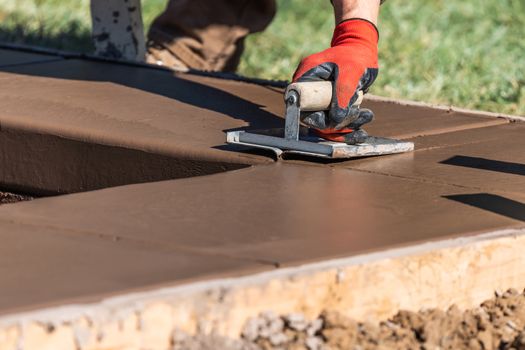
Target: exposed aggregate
498 323
6 198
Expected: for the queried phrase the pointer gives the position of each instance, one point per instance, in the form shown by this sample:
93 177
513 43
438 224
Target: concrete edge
241 78
101 137
15 124
92 57
449 108
462 271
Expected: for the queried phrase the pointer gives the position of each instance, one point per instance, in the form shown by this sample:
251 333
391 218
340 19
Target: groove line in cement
166 247
447 130
435 182
473 112
162 245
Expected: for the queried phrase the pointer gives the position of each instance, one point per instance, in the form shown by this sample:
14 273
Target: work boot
159 55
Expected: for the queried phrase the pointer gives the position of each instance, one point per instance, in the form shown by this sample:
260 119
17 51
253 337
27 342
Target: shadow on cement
486 164
53 165
159 82
48 165
493 203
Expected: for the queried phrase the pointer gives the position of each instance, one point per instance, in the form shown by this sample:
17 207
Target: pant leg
209 34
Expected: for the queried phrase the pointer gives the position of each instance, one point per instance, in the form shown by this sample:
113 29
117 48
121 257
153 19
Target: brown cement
79 125
128 107
43 164
487 159
282 214
404 122
45 266
107 101
498 323
176 123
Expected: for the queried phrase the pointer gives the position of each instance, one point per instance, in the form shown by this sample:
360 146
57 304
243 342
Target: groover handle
313 96
316 96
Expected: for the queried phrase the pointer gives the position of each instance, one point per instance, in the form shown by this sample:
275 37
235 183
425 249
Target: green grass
465 53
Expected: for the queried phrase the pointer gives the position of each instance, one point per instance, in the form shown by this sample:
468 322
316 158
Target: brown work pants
209 34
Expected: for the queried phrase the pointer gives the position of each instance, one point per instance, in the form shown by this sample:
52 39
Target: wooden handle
316 96
313 96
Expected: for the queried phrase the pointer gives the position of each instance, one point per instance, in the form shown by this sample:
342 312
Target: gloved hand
351 63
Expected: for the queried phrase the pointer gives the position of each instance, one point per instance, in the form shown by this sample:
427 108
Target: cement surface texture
59 118
279 214
174 115
70 266
465 178
144 109
488 159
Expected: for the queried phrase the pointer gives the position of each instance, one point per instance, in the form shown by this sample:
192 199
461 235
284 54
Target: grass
465 53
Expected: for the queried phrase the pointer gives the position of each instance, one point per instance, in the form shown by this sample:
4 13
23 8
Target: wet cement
273 214
60 109
44 164
487 159
137 108
266 216
45 266
281 214
185 110
498 323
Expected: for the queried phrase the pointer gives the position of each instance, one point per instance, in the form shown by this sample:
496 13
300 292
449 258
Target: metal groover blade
293 114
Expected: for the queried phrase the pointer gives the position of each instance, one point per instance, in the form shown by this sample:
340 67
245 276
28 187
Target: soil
6 198
498 323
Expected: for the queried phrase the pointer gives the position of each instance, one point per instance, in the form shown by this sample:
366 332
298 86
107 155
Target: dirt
6 198
498 323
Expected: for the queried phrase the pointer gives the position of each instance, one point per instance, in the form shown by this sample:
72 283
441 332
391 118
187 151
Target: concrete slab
11 58
61 121
462 272
408 121
45 266
281 213
137 108
44 164
79 125
54 130
488 159
182 115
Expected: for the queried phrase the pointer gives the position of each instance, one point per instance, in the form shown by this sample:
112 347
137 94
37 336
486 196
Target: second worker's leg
206 34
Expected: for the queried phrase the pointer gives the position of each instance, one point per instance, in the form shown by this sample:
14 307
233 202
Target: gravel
182 341
498 324
6 198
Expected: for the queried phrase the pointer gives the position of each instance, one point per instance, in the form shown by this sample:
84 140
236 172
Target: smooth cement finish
74 125
78 108
279 214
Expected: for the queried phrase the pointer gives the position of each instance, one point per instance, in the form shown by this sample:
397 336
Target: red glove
351 63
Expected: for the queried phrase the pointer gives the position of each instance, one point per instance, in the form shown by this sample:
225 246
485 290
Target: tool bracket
293 116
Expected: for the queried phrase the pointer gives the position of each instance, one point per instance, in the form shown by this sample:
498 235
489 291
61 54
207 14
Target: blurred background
469 53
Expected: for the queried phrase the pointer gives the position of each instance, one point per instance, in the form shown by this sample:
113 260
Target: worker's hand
351 63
